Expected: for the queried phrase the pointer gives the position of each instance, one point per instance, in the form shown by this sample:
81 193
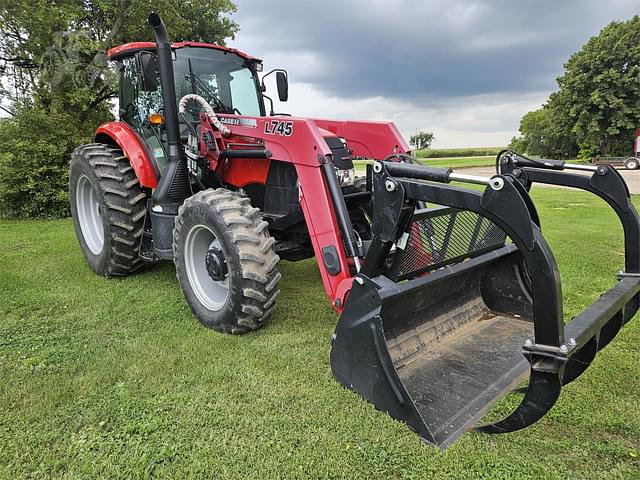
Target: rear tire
108 207
220 227
631 163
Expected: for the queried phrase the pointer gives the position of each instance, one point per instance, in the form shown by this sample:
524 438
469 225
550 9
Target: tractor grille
440 236
180 187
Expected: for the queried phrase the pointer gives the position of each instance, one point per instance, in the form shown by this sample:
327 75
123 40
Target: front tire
108 207
225 262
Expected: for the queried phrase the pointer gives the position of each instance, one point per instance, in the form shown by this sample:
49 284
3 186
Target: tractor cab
226 81
226 78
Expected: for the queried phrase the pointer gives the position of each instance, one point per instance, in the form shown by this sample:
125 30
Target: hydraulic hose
224 130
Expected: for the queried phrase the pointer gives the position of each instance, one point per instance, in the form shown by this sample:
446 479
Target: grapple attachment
459 302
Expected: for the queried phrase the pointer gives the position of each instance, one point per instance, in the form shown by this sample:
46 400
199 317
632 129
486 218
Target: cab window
136 105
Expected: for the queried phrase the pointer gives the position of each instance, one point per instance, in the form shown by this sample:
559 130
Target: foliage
116 379
601 87
597 107
421 140
544 134
58 49
54 71
519 144
34 166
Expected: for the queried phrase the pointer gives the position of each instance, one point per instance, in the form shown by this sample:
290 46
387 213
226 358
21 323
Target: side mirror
283 85
147 63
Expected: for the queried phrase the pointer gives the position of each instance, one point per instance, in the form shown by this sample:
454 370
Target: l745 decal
279 127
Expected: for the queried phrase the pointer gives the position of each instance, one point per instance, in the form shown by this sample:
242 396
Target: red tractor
448 296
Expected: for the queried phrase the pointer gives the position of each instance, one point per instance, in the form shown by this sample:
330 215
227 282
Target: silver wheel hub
89 215
206 267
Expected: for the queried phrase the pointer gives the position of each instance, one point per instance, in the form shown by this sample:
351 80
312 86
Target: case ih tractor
448 296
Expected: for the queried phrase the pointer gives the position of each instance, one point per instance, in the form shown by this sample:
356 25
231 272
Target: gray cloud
423 50
466 70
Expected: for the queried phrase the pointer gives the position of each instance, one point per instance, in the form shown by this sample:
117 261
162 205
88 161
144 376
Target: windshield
221 78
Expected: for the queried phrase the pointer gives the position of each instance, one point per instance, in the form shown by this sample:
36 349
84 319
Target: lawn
115 378
459 162
448 162
451 162
457 152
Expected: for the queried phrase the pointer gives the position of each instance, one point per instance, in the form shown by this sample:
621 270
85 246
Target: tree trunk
605 146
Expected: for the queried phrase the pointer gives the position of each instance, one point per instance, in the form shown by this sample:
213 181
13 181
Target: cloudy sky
465 70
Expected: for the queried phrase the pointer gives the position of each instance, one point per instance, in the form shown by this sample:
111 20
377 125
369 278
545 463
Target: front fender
133 147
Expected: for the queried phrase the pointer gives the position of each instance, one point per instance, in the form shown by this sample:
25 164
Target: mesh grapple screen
442 236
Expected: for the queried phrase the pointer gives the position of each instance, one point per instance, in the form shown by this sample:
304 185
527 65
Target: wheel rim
212 294
89 215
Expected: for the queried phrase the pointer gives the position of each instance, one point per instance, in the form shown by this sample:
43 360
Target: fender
130 143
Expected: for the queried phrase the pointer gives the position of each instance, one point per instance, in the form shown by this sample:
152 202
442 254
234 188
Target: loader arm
300 142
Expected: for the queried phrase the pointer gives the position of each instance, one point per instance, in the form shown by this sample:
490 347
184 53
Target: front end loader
448 296
458 301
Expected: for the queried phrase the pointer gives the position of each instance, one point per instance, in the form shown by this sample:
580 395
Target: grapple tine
542 393
580 361
610 330
446 317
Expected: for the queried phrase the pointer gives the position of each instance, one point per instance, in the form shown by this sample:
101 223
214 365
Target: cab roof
128 49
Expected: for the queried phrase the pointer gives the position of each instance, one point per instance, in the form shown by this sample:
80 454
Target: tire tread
247 231
125 205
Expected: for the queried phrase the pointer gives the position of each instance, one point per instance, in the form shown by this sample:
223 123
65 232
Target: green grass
460 162
115 378
458 152
452 162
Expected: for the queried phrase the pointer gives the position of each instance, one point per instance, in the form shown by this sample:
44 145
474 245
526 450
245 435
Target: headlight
346 177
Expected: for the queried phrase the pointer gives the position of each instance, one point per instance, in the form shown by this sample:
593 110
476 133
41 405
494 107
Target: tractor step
146 247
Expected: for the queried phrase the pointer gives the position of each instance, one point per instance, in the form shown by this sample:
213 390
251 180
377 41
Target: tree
544 133
55 72
602 87
421 140
55 51
34 167
597 107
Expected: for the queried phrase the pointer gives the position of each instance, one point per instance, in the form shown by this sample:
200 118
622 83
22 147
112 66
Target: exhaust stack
174 185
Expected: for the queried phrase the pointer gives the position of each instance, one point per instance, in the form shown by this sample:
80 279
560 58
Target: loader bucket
459 302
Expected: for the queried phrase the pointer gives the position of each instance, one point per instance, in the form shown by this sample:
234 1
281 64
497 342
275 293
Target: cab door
138 99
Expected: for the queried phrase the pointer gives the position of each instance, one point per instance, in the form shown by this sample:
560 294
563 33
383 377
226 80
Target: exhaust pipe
168 87
174 185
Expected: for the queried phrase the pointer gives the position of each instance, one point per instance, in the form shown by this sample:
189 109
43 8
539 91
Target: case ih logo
245 122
